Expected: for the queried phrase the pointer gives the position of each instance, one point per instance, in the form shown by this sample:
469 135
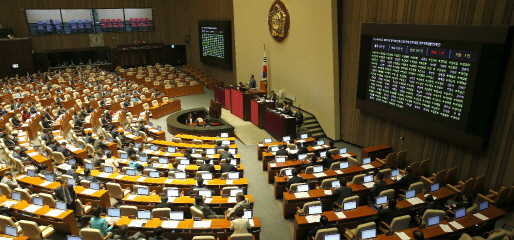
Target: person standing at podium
253 83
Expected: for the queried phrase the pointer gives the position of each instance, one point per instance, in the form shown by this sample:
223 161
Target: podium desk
241 102
219 94
279 126
259 112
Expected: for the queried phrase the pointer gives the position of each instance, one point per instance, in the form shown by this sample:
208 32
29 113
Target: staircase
310 126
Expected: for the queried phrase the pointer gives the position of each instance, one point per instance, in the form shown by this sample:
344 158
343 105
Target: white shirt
240 226
111 162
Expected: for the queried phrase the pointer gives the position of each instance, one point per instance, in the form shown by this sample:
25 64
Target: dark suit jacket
59 193
342 193
130 151
377 188
116 237
165 205
225 155
282 152
293 180
288 112
299 117
227 167
388 214
89 140
189 120
207 167
189 157
303 150
406 181
62 150
252 84
463 204
428 206
73 174
327 162
273 97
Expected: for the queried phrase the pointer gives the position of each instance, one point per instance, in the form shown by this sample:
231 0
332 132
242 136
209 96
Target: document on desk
8 204
21 177
137 223
32 208
141 179
302 195
148 151
231 200
168 181
54 213
32 154
369 184
251 222
293 151
229 182
317 147
208 200
300 141
339 172
456 225
131 197
171 199
312 218
166 154
272 164
202 224
402 235
318 175
104 175
170 224
45 183
120 176
480 216
65 166
165 166
88 192
415 201
367 166
445 227
345 155
340 215
328 192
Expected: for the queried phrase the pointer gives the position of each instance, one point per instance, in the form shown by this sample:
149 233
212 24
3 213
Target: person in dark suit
89 138
207 166
199 185
302 150
227 167
282 151
130 149
73 172
323 220
466 202
189 119
299 117
83 112
294 179
165 204
79 122
226 154
158 232
188 155
63 150
430 205
218 146
99 143
342 192
66 193
327 162
331 145
418 235
379 186
273 96
287 110
253 83
15 121
406 180
123 231
388 214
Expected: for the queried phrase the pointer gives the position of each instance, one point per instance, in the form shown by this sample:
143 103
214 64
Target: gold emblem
278 21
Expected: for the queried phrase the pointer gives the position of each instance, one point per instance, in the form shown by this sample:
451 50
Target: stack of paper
32 154
345 155
131 197
339 172
21 177
168 181
171 199
313 218
231 200
54 213
119 176
302 195
415 201
103 175
170 224
480 216
208 200
300 141
369 184
402 235
446 228
32 208
202 224
318 175
456 225
137 223
88 192
148 151
141 179
340 215
251 222
317 148
328 192
45 183
165 165
8 203
367 166
272 164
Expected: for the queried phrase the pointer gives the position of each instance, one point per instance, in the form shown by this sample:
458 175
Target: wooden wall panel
366 130
174 19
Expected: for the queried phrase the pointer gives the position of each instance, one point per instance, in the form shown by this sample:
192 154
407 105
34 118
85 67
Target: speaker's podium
215 109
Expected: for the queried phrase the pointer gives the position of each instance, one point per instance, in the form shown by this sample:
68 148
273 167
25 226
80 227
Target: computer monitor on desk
210 151
154 147
410 194
172 192
320 142
460 213
163 160
368 178
395 172
177 215
108 169
274 148
336 184
302 188
483 206
37 201
433 221
342 151
233 192
280 159
380 200
268 140
434 187
366 161
143 191
61 206
302 156
304 136
317 169
11 231
113 212
323 154
184 161
171 150
153 174
205 192
315 209
124 156
73 237
347 206
144 214
344 165
94 186
16 196
207 176
225 142
130 172
232 151
180 175
335 236
286 139
233 175
369 234
224 135
247 214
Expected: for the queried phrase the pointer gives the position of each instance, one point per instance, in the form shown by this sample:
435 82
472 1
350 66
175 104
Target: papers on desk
33 154
251 222
415 201
147 151
131 197
165 166
130 136
45 183
300 141
367 166
171 199
320 174
8 204
65 166
196 155
229 182
167 154
369 184
327 192
54 213
137 223
456 225
208 200
88 192
232 199
21 177
301 195
32 208
119 176
340 215
317 147
181 167
426 195
293 151
261 145
153 130
446 228
202 224
345 155
168 181
480 216
312 218
339 171
156 165
73 148
397 177
141 179
103 175
402 235
272 164
169 224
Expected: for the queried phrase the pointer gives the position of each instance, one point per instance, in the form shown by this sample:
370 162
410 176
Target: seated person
308 162
343 191
122 234
207 166
199 185
418 235
89 138
226 154
430 205
227 167
466 202
240 225
10 180
15 121
387 214
99 223
323 220
44 171
206 210
294 179
282 151
327 162
242 203
87 176
25 115
164 203
157 233
406 180
133 164
379 186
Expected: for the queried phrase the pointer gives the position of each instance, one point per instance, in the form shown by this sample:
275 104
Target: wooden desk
32 127
210 140
165 108
36 159
185 90
220 228
184 146
259 112
65 222
20 237
379 151
279 126
362 214
263 147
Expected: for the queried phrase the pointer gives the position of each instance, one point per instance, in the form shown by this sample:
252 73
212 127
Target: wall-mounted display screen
215 40
441 80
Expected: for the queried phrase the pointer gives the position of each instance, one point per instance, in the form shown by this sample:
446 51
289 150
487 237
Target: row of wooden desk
164 109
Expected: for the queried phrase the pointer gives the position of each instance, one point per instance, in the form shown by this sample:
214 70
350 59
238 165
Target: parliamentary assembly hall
256 119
